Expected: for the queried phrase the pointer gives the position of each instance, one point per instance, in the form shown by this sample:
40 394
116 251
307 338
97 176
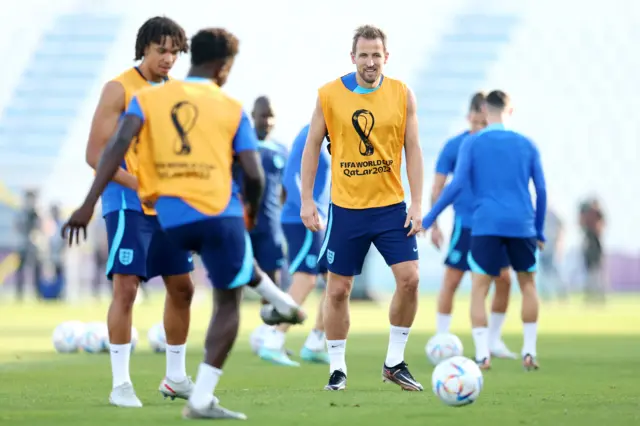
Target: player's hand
436 237
414 219
540 245
310 217
78 221
250 218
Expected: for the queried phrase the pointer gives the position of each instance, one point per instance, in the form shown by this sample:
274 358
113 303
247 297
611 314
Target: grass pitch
590 366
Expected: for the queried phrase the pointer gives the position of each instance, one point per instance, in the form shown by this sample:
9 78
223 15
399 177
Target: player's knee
526 281
180 289
407 280
339 288
125 289
452 278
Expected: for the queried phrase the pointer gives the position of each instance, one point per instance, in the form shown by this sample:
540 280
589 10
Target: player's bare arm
439 181
108 166
415 165
251 165
104 124
309 168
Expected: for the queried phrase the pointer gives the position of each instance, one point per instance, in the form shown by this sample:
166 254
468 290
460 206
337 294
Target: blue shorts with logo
459 247
303 249
139 246
224 247
267 250
351 232
486 254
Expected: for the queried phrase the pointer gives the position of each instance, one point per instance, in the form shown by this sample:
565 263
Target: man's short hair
498 99
477 100
213 44
368 32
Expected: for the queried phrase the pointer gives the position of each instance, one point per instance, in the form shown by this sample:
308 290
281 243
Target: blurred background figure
550 283
56 244
28 226
97 234
592 225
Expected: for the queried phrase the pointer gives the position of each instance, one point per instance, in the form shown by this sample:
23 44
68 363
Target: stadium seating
46 100
572 76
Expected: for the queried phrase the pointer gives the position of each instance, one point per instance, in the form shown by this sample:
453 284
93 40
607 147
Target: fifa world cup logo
363 122
183 116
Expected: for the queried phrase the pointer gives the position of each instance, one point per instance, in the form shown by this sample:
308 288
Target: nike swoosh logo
190 260
415 249
175 352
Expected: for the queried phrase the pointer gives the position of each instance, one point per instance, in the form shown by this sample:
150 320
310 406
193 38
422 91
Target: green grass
590 363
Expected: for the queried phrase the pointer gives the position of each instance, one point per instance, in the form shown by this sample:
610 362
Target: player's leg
268 255
499 307
523 255
22 261
344 248
401 254
456 266
485 263
315 346
303 250
174 264
280 307
129 237
226 253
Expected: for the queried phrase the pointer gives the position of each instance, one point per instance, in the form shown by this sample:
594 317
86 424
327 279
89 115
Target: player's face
369 58
264 119
161 57
477 120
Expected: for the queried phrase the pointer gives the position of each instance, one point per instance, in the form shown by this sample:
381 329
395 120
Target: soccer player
498 164
456 261
303 249
138 249
188 134
266 237
370 119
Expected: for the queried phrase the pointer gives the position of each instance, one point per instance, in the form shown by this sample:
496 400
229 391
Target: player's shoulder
394 82
125 76
457 139
522 138
333 84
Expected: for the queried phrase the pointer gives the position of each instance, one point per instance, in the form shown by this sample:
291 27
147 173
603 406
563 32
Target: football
457 381
443 346
157 338
66 336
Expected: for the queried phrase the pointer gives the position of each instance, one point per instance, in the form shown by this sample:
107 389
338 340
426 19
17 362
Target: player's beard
366 75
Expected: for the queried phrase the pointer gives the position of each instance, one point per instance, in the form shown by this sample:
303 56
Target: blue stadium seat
61 73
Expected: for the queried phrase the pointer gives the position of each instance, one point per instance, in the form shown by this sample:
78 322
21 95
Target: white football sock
337 350
496 320
315 341
273 339
205 386
443 323
120 355
176 362
271 293
530 331
481 342
398 337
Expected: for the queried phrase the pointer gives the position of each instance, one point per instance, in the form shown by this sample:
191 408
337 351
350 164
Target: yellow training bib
367 137
185 146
